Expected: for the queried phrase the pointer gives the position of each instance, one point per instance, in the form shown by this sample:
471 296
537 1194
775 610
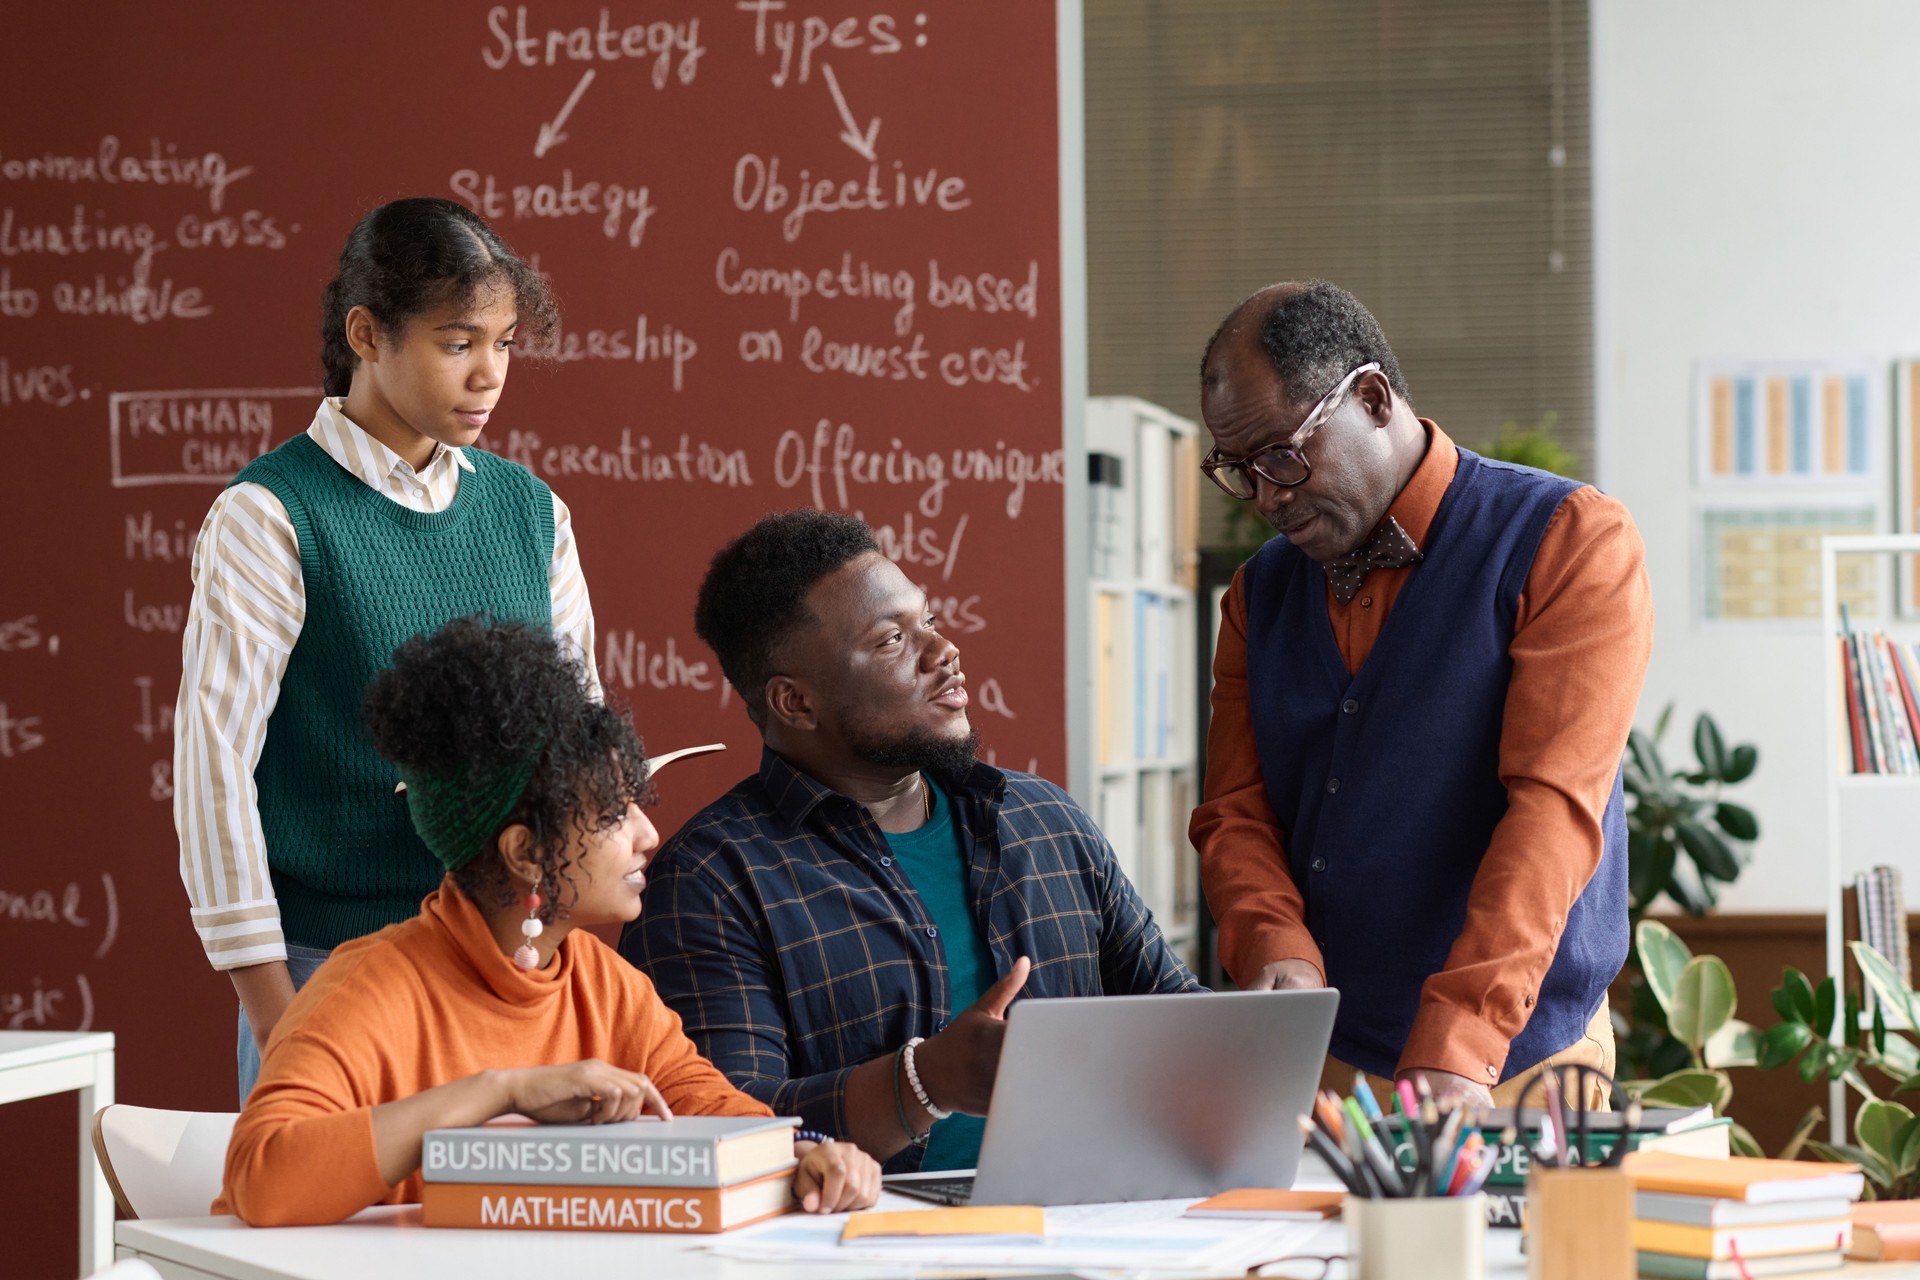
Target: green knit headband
457 814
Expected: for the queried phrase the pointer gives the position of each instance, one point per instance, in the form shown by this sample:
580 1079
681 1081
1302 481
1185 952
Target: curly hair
478 696
412 256
1314 336
755 593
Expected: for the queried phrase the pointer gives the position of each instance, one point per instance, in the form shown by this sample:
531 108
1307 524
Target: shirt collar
350 445
1419 501
796 794
449 909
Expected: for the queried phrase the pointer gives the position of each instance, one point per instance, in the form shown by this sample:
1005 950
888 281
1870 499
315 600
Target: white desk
389 1243
34 1064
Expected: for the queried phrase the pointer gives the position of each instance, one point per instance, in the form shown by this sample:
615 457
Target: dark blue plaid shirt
779 927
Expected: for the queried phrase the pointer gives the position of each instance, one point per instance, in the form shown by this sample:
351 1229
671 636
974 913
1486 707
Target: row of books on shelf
1143 496
1136 697
1874 909
1881 683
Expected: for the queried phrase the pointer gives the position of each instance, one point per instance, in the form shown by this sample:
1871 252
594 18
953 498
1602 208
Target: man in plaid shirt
842 932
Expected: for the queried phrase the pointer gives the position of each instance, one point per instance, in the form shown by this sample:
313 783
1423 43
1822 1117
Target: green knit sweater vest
344 857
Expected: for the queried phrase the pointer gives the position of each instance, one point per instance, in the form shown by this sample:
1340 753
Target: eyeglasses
1300 1266
1280 464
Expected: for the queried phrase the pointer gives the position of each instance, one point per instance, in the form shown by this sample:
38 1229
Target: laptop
1144 1098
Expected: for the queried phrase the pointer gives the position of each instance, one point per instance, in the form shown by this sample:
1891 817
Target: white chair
162 1164
128 1269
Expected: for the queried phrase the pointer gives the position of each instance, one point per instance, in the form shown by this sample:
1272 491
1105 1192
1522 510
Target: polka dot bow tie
1388 548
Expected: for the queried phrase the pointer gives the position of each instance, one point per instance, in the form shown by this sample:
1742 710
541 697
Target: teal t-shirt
934 858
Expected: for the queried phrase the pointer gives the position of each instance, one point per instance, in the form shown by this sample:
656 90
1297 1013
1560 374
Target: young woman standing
376 524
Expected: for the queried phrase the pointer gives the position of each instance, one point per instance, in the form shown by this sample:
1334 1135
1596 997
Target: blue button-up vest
1387 782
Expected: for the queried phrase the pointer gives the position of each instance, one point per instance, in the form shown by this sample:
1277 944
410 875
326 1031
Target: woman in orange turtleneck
523 786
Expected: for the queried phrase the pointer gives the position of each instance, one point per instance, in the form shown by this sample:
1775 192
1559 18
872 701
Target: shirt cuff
1446 1039
236 937
1268 943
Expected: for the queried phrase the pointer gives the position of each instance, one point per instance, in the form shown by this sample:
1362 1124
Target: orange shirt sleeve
690 1084
302 1151
1583 633
1243 851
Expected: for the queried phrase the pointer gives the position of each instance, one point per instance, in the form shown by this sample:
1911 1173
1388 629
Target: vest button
1319 864
1366 602
1333 785
1349 706
886 862
932 932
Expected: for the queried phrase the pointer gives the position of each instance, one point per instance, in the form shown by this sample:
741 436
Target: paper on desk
1149 1235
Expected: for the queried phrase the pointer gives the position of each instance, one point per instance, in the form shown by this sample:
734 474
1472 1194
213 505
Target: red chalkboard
807 252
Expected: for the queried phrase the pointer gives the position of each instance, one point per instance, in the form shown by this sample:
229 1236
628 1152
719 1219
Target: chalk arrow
862 143
550 135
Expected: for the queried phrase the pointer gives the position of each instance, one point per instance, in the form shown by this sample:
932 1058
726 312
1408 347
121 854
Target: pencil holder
1579 1224
1432 1237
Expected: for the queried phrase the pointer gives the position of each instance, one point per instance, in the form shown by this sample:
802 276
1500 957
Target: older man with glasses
1426 815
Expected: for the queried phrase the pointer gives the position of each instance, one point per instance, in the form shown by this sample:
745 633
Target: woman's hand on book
588 1092
834 1177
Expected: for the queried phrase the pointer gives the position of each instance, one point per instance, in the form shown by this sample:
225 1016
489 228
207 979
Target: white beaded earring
527 958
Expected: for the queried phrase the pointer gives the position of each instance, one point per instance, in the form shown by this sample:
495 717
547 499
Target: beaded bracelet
900 1103
913 1078
811 1135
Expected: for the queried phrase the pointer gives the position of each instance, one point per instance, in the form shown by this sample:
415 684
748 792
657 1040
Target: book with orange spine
545 1207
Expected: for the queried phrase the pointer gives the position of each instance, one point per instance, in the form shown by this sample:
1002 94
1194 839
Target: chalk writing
48 384
160 780
674 46
794 41
162 166
194 437
82 235
45 1008
984 291
648 343
861 280
550 135
913 545
130 297
156 716
64 906
152 617
629 662
833 459
20 634
992 697
149 540
19 734
757 186
618 207
686 462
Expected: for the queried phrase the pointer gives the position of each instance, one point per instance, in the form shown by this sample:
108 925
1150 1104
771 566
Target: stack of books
1693 1131
1882 695
1738 1217
691 1173
1886 1231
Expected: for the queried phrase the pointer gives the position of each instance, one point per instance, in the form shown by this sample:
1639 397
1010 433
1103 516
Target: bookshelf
1143 514
1845 788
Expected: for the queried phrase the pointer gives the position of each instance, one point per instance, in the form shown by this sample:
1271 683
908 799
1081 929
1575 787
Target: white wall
1756 194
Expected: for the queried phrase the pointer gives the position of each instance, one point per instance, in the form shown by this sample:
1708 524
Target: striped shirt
249 604
782 930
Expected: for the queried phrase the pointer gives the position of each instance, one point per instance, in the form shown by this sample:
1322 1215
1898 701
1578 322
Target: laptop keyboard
938 1190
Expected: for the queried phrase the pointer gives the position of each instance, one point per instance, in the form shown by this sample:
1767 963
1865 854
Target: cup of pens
1580 1206
1413 1207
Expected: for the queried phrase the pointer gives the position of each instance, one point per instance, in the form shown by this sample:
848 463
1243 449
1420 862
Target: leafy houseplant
1886 1134
1534 446
1694 1000
1668 814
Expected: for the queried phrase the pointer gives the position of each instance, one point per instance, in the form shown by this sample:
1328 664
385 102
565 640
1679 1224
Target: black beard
947 759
